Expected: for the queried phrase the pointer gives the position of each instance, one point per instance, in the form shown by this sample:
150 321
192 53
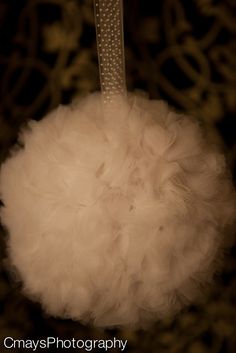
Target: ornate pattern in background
179 50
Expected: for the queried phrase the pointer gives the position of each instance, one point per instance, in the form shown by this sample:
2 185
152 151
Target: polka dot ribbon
110 44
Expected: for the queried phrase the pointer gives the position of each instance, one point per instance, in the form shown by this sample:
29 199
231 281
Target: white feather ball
115 219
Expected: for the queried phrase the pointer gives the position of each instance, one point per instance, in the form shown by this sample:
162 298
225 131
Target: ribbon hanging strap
110 44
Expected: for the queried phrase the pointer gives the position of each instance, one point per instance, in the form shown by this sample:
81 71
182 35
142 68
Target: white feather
114 219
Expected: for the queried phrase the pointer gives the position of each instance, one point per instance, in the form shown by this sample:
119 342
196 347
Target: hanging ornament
117 207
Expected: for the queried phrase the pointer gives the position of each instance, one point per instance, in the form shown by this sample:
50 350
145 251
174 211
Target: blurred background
183 51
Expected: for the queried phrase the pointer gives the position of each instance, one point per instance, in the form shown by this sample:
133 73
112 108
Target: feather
115 218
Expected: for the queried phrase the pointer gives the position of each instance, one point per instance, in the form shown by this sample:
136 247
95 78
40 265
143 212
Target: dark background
180 51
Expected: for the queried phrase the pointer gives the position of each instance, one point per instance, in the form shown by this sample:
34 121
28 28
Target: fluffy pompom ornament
115 215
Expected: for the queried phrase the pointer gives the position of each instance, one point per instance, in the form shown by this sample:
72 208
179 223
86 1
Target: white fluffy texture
115 220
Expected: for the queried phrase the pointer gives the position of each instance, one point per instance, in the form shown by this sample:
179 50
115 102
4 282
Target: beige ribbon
110 46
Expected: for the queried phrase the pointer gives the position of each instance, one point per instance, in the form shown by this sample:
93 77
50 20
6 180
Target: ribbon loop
110 45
